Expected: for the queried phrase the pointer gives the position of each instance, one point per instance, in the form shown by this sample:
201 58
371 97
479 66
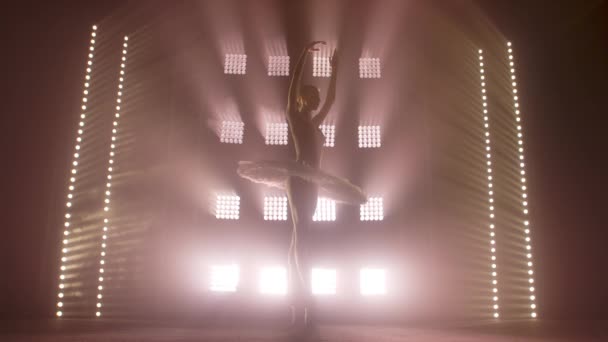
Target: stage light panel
373 210
277 133
224 278
329 131
369 137
227 207
369 68
323 281
275 208
232 132
278 66
235 64
325 211
273 281
372 281
321 66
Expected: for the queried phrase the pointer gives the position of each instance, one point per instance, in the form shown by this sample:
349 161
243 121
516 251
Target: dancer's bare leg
294 271
294 278
302 199
303 267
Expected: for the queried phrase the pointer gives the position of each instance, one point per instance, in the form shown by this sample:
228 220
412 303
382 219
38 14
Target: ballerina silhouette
302 178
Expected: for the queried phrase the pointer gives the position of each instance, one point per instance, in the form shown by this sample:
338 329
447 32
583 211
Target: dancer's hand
311 47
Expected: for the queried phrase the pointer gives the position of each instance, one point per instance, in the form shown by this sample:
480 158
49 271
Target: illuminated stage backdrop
427 120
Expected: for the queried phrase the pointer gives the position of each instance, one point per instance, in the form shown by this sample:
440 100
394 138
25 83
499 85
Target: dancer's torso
308 140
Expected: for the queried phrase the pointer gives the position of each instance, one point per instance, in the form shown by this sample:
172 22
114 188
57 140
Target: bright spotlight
232 132
224 278
329 131
372 210
275 208
369 67
323 281
227 207
277 133
273 281
235 64
321 67
278 66
369 136
326 210
372 281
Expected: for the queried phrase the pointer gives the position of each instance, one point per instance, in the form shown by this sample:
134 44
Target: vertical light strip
486 125
73 173
522 173
106 209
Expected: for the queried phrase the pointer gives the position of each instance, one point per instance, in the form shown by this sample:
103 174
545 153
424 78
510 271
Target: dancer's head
308 99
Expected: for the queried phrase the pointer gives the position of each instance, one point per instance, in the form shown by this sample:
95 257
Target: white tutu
276 173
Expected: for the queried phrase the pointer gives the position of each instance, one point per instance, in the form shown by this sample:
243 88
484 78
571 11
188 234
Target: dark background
561 52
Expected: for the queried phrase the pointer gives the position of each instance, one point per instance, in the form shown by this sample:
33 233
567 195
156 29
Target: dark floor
124 331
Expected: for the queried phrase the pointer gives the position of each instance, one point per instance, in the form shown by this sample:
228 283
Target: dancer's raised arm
331 92
294 86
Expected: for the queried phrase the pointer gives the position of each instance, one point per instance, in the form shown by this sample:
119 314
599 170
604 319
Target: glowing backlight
372 281
273 281
323 281
224 278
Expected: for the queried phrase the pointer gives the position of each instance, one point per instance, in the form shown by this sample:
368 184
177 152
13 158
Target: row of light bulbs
277 133
108 193
74 171
273 280
275 209
236 64
522 172
488 152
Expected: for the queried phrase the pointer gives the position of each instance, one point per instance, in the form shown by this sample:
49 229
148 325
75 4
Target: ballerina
302 178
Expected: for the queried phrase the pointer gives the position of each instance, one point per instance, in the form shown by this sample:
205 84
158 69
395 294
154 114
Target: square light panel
369 68
278 66
224 278
372 281
235 64
275 208
369 137
372 210
323 281
277 133
227 207
273 281
325 211
321 66
232 132
329 131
